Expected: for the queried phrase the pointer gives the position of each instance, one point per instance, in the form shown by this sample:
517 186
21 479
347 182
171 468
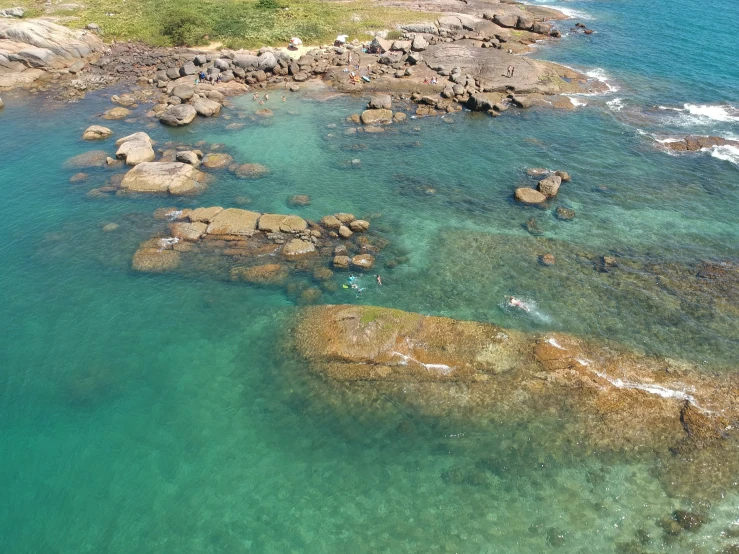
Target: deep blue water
162 413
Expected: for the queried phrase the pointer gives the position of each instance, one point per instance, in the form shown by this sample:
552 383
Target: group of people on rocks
209 78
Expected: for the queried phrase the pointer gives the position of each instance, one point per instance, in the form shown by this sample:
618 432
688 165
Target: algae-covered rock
267 274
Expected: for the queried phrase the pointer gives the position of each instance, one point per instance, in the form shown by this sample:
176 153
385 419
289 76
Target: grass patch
235 23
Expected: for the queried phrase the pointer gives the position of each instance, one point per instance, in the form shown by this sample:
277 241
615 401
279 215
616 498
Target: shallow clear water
163 413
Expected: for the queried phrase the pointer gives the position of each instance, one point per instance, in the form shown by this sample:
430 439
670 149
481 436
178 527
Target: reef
598 396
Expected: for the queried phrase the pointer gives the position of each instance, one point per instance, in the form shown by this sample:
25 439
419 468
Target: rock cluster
243 245
547 187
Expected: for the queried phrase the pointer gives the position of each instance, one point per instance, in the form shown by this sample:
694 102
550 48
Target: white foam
599 74
726 152
174 214
616 104
440 368
650 388
713 112
554 343
569 12
164 243
576 102
704 114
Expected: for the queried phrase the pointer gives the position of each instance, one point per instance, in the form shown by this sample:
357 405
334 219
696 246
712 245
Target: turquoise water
162 413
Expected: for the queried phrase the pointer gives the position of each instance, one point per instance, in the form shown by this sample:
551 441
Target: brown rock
330 222
345 218
529 196
359 225
274 223
564 176
116 113
96 132
377 117
345 232
549 186
341 262
164 177
217 160
298 247
188 231
234 222
155 260
363 261
205 215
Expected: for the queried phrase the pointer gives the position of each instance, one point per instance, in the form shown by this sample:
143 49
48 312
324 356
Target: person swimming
379 280
514 302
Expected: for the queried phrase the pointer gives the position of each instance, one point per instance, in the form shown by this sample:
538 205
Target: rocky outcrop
694 143
178 116
376 117
164 178
619 399
30 48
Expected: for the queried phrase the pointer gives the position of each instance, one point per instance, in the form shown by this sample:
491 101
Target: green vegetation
234 23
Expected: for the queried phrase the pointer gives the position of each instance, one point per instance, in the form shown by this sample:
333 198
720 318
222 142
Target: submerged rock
619 399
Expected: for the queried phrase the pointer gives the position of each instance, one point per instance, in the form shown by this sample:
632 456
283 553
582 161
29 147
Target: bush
268 5
394 35
184 27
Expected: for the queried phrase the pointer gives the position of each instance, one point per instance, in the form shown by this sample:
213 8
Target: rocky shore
457 59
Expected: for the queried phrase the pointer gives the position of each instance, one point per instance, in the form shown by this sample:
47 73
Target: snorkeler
379 280
514 302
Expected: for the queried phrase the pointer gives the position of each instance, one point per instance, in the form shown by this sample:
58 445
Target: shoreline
494 35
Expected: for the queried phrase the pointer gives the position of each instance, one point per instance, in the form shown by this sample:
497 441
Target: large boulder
183 92
298 248
177 116
419 44
376 117
527 195
164 177
276 223
96 132
206 107
245 62
380 102
479 102
506 20
234 223
136 152
266 61
139 136
549 186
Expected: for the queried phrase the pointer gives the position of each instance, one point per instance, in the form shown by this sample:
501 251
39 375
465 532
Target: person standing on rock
509 71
